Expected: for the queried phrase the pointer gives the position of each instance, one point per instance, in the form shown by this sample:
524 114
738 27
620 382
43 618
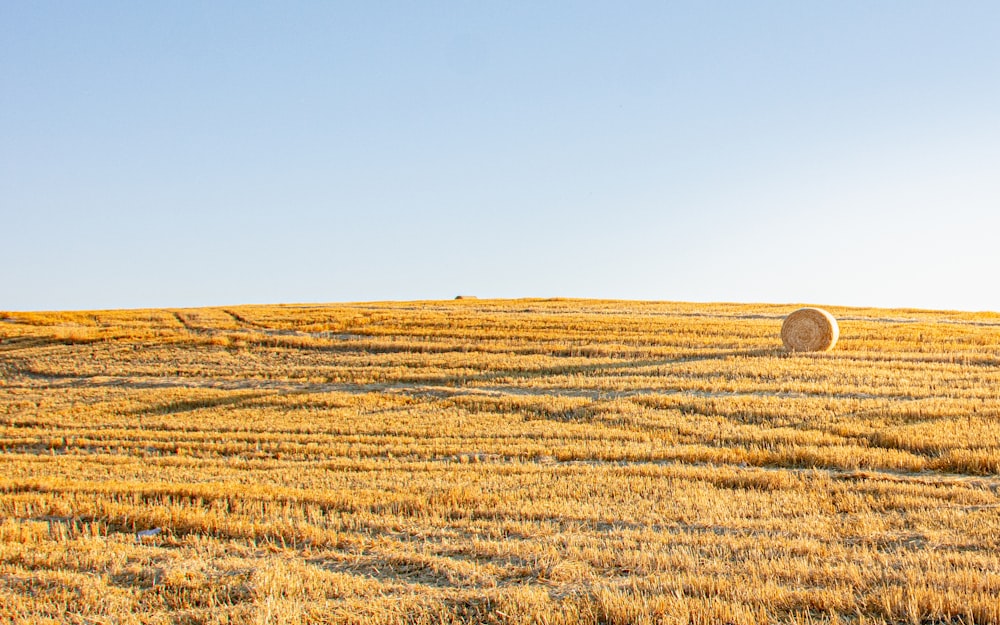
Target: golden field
516 461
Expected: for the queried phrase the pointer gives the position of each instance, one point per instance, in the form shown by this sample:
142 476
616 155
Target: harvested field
546 461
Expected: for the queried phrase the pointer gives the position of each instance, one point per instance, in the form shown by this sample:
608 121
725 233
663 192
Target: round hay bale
809 330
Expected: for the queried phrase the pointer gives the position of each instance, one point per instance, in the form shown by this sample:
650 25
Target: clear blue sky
201 153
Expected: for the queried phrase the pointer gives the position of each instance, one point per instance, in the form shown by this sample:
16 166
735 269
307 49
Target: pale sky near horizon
187 153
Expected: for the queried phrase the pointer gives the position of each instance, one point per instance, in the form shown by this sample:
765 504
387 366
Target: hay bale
809 330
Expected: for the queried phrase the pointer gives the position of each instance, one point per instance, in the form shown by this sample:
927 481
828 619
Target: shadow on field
190 405
612 368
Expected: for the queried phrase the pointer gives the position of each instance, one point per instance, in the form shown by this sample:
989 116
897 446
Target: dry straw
809 330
